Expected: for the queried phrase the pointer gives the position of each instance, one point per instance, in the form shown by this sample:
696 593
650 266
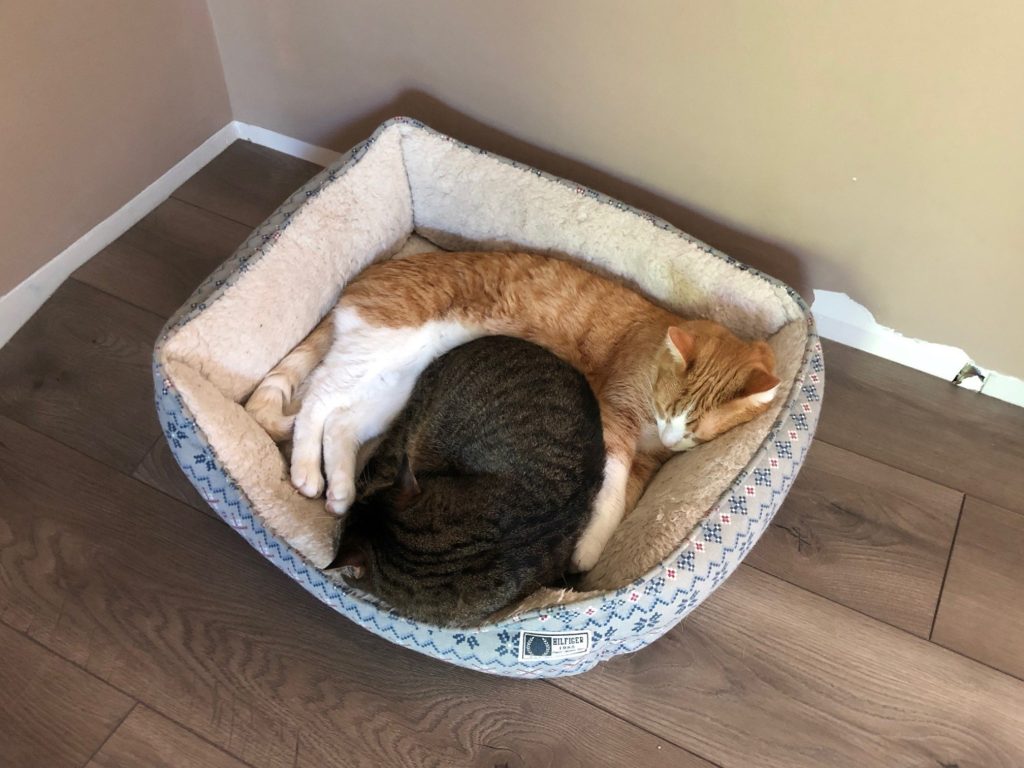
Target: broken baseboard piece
842 319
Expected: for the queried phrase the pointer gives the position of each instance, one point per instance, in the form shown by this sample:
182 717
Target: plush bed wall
363 215
410 184
468 206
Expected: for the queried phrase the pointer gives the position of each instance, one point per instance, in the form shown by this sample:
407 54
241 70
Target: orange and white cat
664 383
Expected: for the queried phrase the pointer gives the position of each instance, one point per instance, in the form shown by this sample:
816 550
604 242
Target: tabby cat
664 383
480 488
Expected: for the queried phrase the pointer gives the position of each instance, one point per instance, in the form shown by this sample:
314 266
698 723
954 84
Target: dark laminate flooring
880 621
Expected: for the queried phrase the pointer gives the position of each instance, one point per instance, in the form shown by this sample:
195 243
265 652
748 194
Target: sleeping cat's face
709 381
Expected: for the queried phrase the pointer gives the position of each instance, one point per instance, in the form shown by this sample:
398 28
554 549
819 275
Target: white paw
340 494
308 480
585 556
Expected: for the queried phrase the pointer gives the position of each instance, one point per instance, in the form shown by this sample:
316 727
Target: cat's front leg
607 512
341 448
324 397
640 473
363 421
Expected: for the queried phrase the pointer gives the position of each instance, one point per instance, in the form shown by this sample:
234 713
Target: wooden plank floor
879 622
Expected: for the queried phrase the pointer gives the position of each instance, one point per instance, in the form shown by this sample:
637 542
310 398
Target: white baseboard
1008 388
22 301
286 144
839 318
842 319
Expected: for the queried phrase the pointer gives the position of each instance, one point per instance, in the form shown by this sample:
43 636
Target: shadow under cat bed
409 189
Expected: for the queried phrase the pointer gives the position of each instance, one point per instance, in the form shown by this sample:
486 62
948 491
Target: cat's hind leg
609 505
272 403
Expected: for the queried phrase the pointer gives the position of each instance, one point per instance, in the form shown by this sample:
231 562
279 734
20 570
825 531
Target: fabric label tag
552 645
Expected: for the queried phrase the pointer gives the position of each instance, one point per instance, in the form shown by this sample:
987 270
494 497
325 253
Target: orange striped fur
664 382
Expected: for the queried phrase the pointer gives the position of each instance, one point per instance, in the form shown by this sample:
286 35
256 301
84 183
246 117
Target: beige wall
744 122
98 98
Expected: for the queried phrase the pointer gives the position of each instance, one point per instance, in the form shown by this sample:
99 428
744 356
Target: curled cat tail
272 402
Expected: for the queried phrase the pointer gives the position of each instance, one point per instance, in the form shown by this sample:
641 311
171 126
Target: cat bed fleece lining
407 189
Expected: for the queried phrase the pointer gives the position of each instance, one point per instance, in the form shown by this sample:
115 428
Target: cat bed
408 188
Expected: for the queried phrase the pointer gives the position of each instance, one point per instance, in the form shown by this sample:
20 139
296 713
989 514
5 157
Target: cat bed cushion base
409 189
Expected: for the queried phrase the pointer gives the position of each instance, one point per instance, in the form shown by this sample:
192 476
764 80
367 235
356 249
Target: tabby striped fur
480 489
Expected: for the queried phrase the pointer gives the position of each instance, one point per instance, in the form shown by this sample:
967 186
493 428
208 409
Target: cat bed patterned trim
409 188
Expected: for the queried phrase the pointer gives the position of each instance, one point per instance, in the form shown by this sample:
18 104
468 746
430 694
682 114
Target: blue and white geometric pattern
619 622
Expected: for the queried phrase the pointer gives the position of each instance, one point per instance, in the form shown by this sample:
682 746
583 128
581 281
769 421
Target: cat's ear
408 488
681 344
351 556
761 386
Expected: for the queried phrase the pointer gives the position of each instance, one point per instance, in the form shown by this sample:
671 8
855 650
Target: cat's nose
671 433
